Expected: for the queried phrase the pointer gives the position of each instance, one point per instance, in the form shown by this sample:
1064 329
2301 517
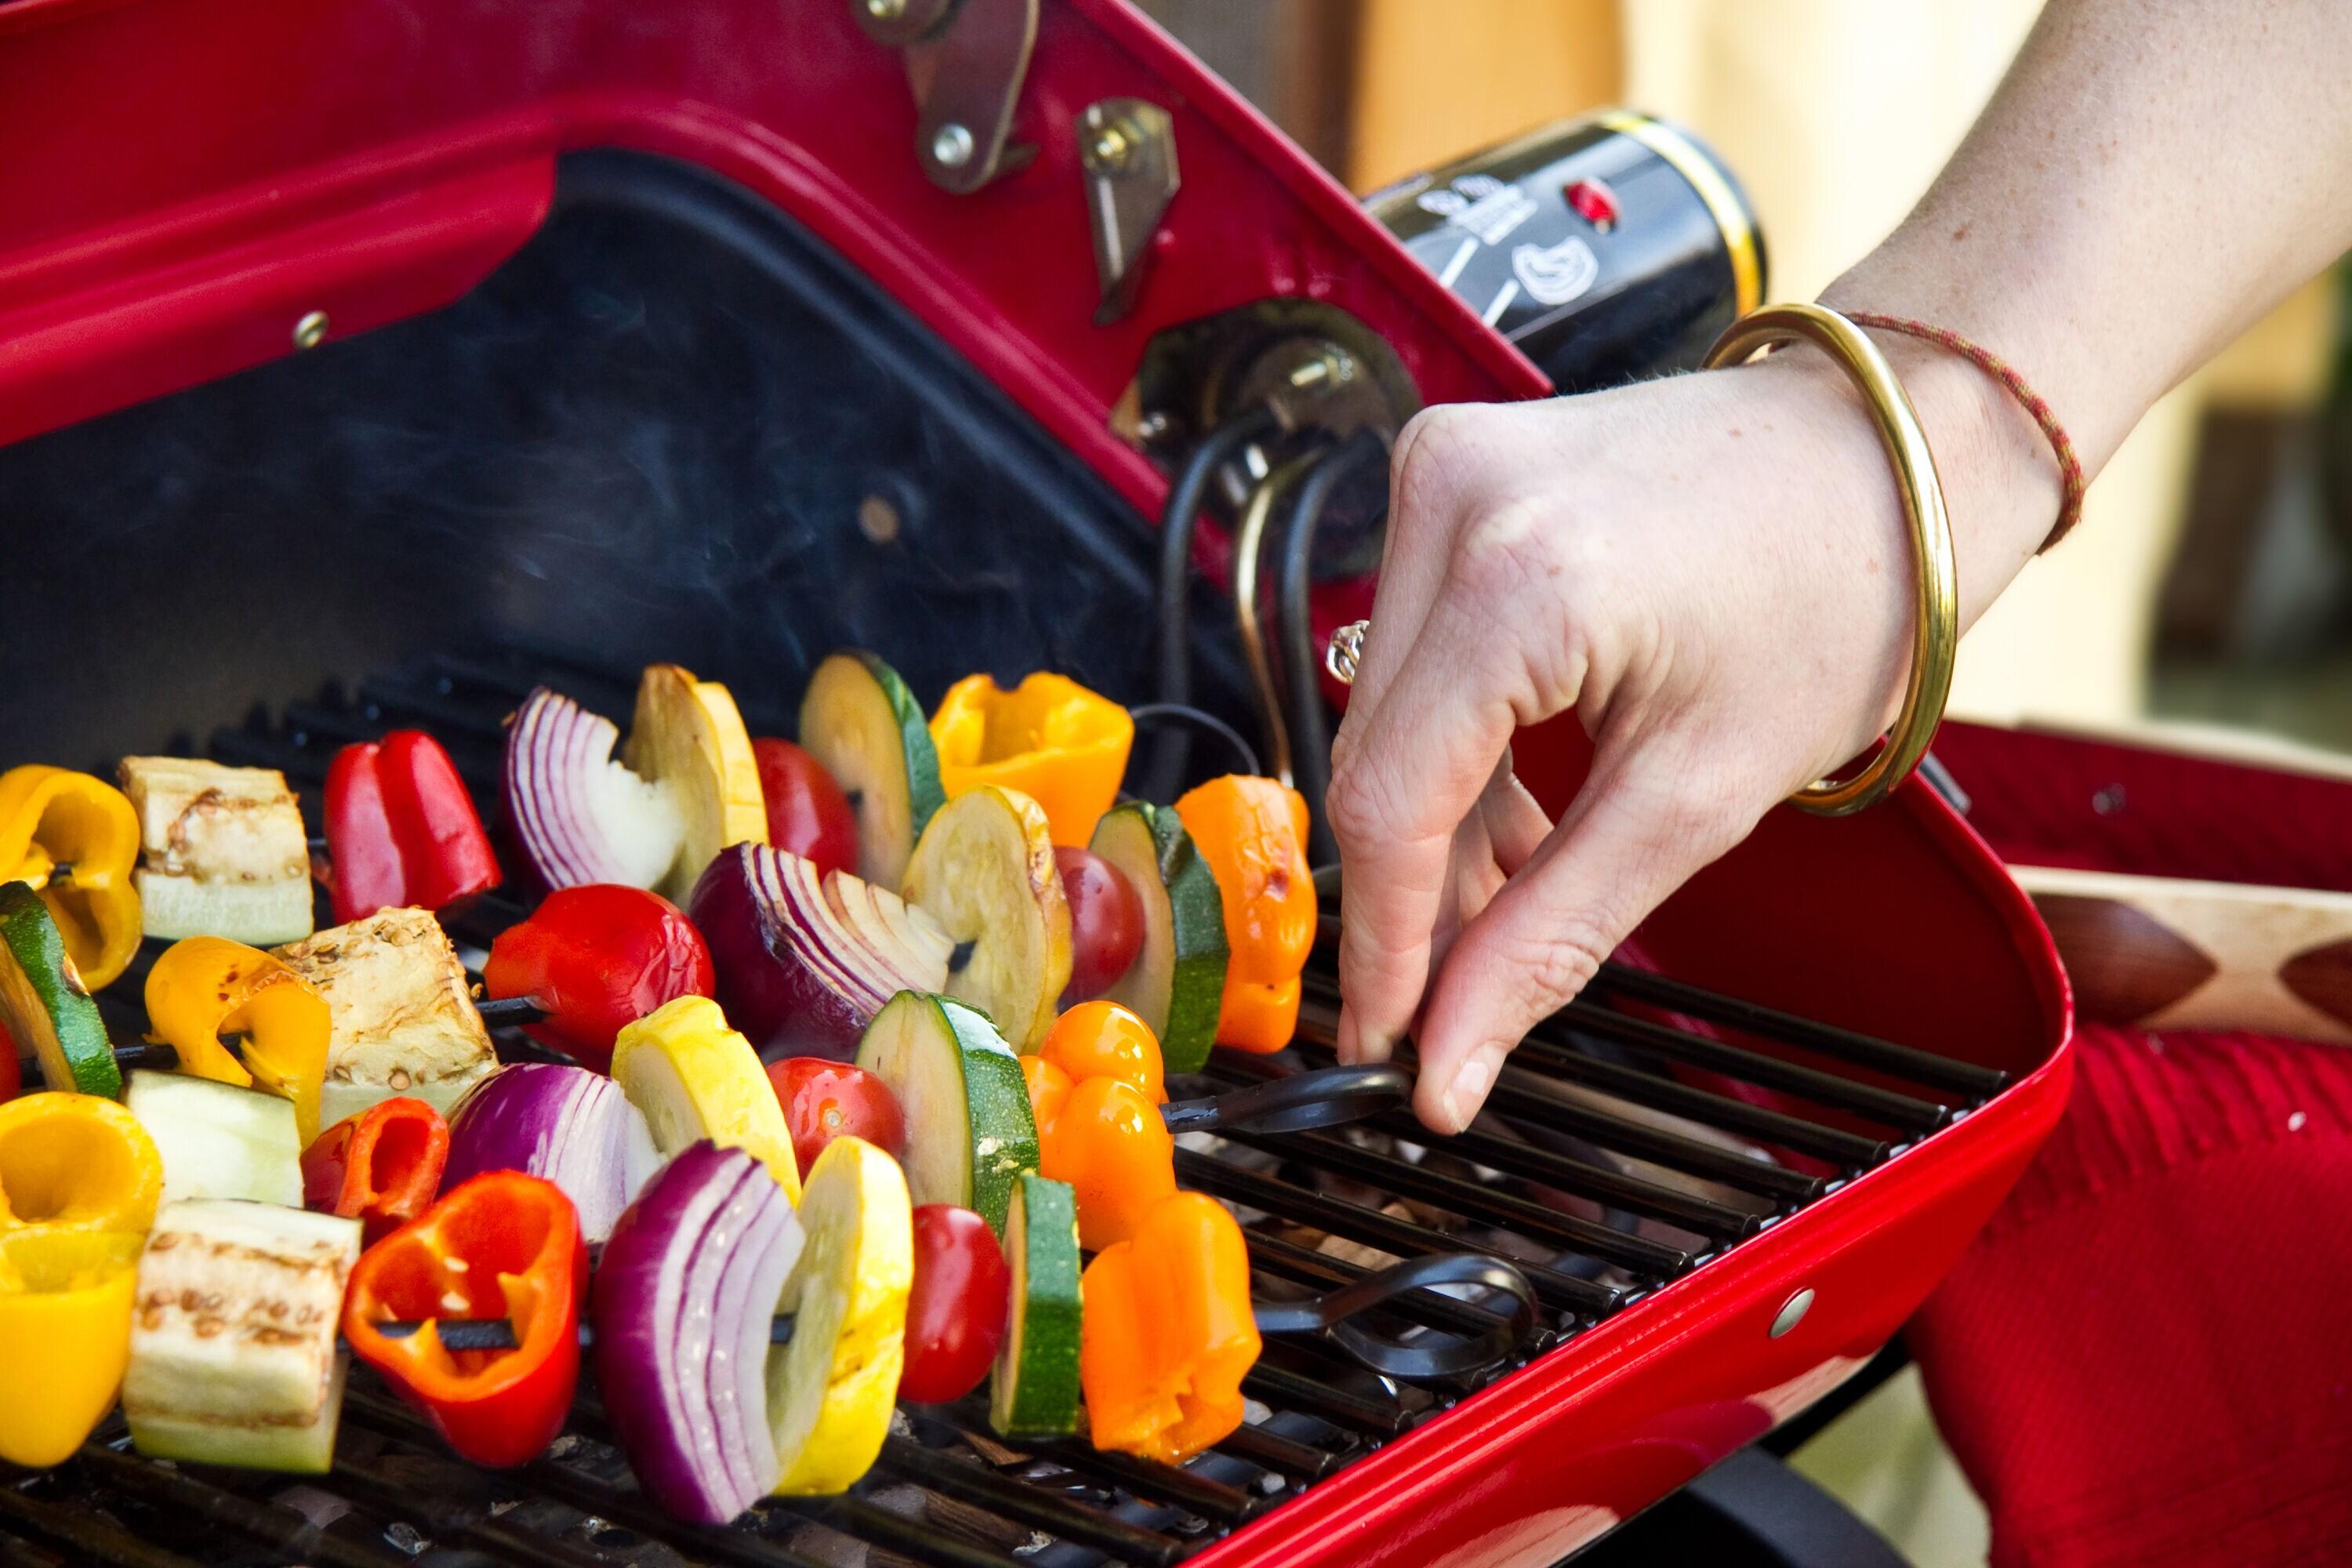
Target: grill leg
1750 1512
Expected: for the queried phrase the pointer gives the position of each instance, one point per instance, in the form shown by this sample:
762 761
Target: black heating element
1612 1161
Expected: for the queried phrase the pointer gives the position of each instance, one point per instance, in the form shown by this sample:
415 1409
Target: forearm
2147 181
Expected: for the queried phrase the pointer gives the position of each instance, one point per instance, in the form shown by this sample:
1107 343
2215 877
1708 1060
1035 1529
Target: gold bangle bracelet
1937 637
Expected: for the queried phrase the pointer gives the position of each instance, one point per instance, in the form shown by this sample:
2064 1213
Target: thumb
1635 832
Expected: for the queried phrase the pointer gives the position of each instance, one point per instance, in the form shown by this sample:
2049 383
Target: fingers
1420 763
1632 837
1393 812
1515 825
1413 552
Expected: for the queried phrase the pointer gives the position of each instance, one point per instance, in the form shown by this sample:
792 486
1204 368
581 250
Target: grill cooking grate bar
176 1489
1377 1228
83 1532
1280 1260
1604 1168
1032 1505
1967 1078
1471 1199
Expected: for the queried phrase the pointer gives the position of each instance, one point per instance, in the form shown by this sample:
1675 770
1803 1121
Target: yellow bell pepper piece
65 1311
51 817
75 1162
206 987
1050 738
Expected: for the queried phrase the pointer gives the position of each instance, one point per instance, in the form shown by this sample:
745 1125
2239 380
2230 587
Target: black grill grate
1601 1176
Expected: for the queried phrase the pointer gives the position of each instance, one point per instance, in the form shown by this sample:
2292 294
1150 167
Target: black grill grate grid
1601 1175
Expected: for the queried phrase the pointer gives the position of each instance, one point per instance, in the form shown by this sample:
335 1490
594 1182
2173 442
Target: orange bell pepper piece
1049 1090
1103 1039
206 987
1050 738
1109 1144
1253 834
1167 1332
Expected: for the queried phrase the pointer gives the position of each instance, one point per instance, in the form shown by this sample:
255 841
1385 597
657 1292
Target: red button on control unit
1593 202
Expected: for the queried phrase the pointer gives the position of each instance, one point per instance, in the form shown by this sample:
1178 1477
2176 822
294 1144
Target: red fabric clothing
2147 1357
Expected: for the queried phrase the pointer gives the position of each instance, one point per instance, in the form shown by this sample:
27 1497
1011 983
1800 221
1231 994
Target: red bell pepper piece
402 830
501 1244
598 957
381 1167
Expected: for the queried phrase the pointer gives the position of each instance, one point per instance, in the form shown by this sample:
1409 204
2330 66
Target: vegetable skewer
63 871
1332 1313
497 1013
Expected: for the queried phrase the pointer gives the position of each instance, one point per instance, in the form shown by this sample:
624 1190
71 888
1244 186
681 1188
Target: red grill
1729 1174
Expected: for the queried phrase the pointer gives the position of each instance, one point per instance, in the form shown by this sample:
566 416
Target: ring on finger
1346 651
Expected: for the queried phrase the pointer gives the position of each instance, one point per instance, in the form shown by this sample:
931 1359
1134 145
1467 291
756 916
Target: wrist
2003 486
2003 481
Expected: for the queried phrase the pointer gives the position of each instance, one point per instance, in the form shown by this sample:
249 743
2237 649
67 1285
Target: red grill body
182 180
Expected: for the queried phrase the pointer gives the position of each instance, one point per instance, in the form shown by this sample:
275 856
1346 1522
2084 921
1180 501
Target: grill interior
1636 1136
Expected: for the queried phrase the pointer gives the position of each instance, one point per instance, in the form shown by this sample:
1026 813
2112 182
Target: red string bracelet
2070 467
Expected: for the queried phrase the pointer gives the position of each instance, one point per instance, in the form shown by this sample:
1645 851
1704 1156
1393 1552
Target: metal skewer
1330 1314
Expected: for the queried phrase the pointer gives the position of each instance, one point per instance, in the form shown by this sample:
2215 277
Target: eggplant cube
233 1358
401 1015
222 851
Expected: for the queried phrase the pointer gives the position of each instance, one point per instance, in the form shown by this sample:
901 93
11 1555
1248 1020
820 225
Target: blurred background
2209 582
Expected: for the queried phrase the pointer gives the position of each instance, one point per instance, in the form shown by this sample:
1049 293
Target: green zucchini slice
1177 977
859 720
219 1141
1034 1390
970 1135
44 1003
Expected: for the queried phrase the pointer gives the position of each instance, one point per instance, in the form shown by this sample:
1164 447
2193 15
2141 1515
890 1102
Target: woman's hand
1714 572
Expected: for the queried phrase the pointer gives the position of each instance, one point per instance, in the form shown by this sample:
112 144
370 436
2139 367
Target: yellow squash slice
830 1392
984 870
687 738
694 1077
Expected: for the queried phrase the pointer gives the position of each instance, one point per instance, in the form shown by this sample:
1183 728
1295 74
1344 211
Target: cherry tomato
597 957
1106 923
807 814
823 1101
956 1312
1103 1039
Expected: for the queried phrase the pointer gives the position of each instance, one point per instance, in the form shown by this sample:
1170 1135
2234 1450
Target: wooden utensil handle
2159 952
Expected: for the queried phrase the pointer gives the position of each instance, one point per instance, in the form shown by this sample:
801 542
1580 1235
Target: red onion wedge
804 959
684 1297
581 815
568 1125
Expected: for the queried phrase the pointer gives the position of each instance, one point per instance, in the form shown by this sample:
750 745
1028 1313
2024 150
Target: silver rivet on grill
885 10
310 331
877 518
1332 367
1792 1311
1112 146
952 147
